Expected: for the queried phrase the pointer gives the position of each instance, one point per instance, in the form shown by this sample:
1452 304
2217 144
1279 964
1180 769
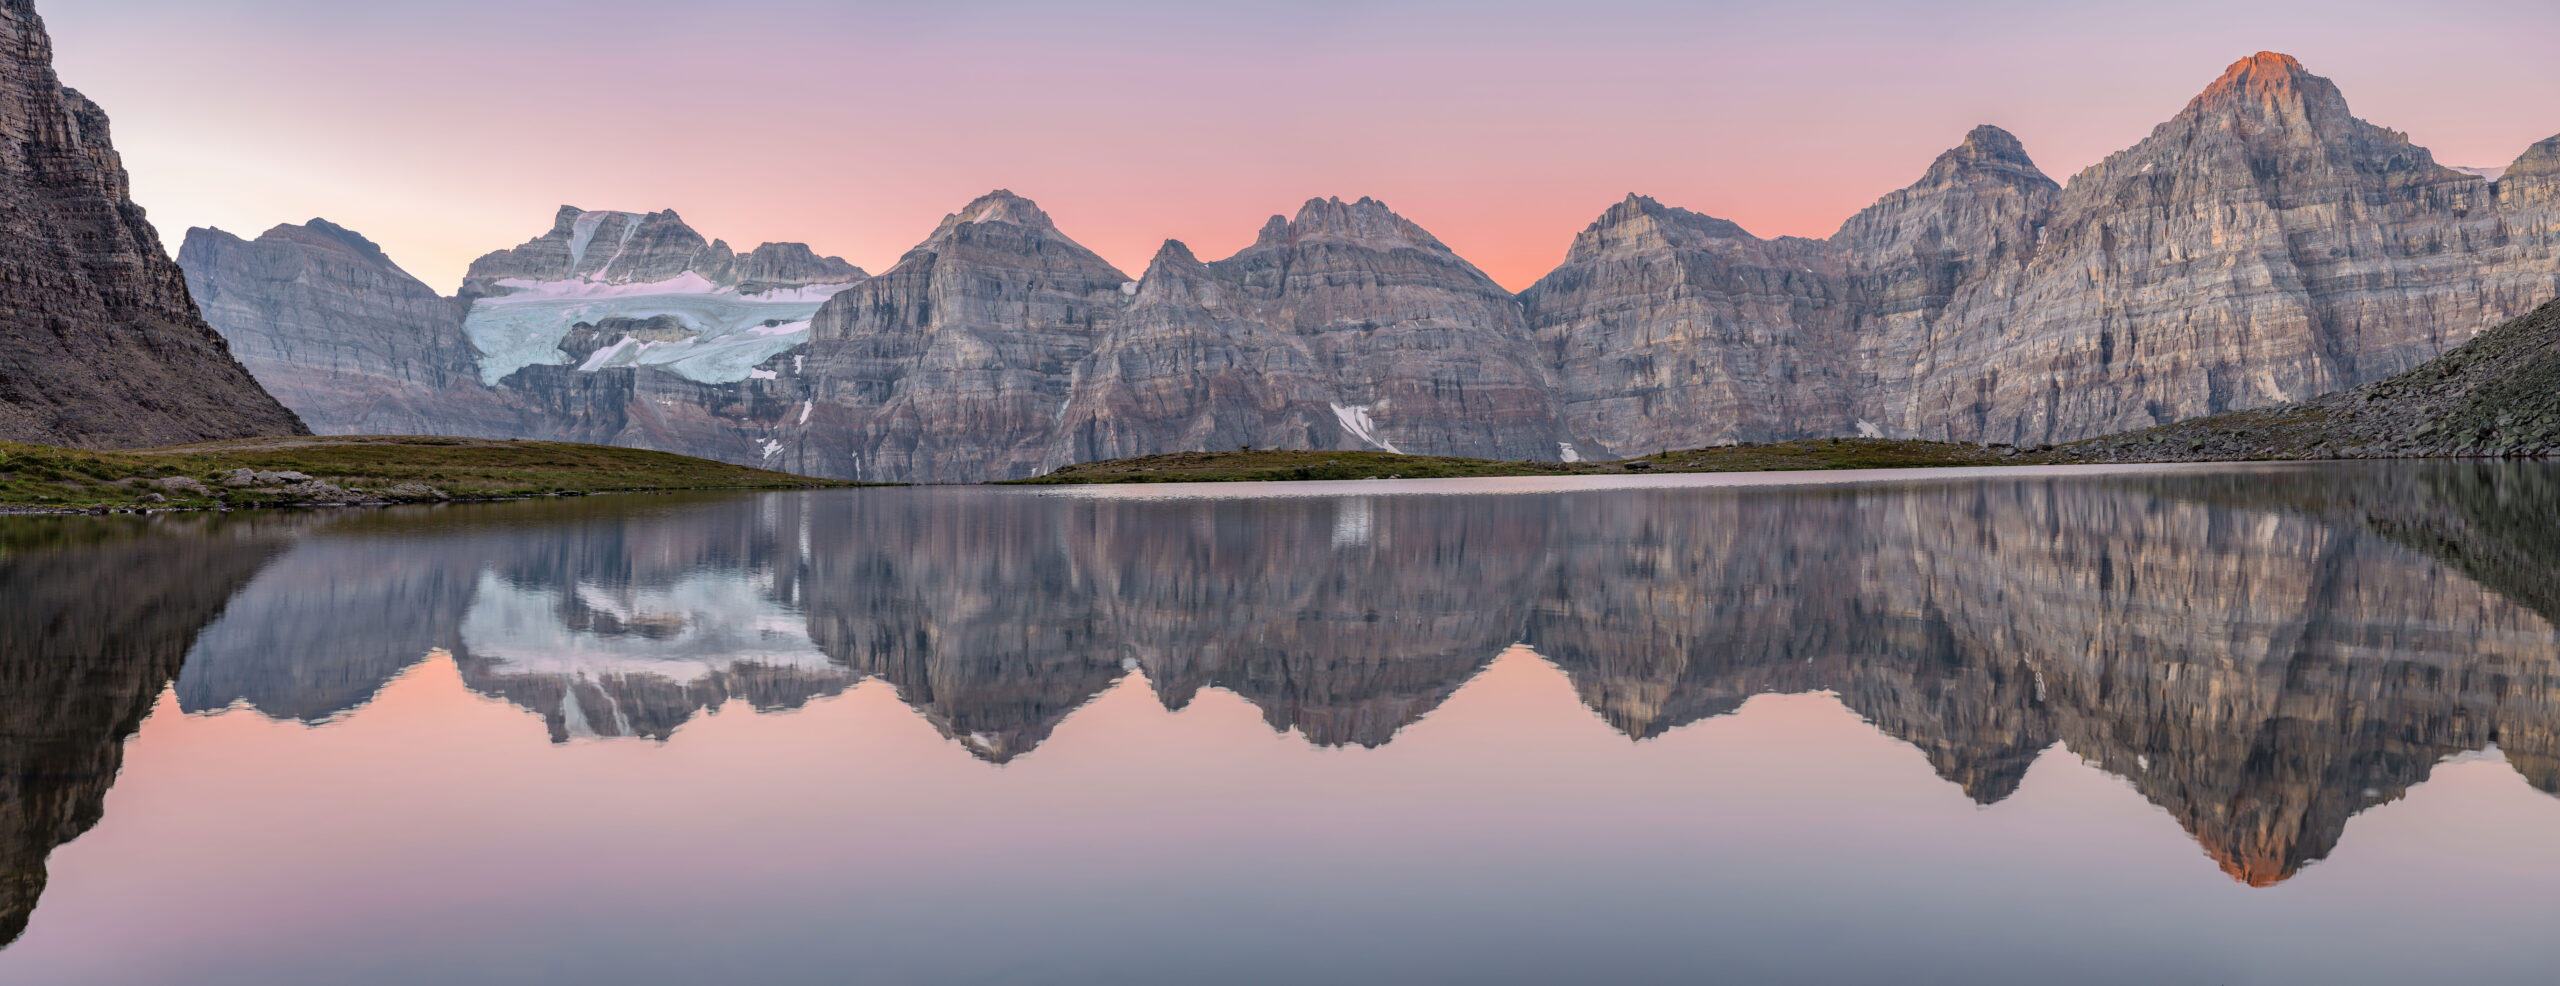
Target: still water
2169 725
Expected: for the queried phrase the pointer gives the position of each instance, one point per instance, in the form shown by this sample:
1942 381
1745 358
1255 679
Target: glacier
733 333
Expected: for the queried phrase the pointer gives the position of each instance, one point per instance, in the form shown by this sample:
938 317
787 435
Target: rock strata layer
99 344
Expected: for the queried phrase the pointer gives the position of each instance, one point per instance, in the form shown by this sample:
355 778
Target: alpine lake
2218 724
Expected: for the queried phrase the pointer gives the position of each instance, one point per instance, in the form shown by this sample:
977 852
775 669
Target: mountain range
2263 246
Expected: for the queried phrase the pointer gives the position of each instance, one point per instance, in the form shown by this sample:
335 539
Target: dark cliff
99 344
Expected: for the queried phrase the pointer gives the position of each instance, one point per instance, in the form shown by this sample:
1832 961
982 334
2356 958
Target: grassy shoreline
1281 465
361 470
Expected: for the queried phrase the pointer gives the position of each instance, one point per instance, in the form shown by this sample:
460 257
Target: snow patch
1868 429
2493 174
1129 288
806 407
1568 452
772 448
1356 421
605 357
762 375
582 231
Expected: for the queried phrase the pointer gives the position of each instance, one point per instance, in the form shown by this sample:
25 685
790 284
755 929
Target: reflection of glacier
602 661
703 624
2263 656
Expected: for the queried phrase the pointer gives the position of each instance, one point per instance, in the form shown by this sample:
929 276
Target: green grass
1251 465
467 468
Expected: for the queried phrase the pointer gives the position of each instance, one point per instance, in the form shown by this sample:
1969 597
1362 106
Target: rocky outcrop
99 344
343 336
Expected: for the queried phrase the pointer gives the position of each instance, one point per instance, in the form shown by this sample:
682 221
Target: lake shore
331 471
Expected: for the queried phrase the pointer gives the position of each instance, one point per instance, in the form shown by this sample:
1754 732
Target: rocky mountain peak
1987 152
999 206
325 235
2541 159
1367 222
1173 253
2269 84
1175 275
789 265
1639 223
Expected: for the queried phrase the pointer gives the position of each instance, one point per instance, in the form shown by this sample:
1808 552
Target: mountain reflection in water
2261 653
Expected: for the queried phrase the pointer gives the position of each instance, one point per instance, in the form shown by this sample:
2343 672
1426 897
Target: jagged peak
2541 159
1987 151
317 232
1174 272
1173 252
1000 206
2264 79
1367 221
1639 222
350 238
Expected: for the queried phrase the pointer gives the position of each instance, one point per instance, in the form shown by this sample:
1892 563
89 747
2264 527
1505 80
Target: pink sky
448 130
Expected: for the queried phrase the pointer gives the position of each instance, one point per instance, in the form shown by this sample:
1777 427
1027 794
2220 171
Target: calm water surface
2256 725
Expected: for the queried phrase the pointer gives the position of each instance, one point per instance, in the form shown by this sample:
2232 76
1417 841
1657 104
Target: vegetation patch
260 472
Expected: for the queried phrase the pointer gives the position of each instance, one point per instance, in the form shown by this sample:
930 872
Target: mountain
955 364
1671 329
2261 247
342 335
1345 327
99 343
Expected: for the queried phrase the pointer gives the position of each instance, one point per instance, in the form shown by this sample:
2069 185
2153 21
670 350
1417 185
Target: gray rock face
1348 327
1670 330
342 335
956 364
99 344
2495 396
1413 340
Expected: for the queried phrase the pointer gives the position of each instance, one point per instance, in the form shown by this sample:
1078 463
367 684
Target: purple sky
447 130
